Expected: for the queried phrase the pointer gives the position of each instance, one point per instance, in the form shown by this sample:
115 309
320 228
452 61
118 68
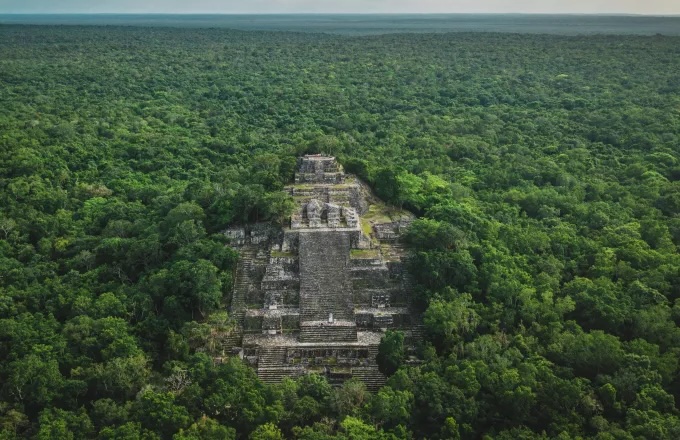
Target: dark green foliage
205 429
158 412
545 171
432 234
391 352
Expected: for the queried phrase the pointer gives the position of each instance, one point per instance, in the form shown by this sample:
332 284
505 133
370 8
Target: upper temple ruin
317 295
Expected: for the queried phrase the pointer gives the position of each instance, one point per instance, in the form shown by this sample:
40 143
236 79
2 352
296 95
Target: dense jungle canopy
544 169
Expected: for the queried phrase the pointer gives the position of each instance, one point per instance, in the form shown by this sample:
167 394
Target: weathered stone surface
324 276
316 168
236 236
316 296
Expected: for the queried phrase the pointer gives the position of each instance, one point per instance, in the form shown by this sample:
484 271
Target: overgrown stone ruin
317 295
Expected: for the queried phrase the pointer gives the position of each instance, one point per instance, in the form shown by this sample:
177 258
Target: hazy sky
660 7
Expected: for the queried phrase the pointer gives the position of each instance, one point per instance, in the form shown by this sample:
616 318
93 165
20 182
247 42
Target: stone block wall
255 297
355 239
365 297
253 323
328 333
372 320
290 242
236 236
286 298
370 276
290 322
336 356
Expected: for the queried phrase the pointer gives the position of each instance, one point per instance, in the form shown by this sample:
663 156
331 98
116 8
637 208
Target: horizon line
610 14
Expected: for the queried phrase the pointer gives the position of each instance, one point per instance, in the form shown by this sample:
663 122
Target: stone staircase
271 365
370 376
243 283
324 283
394 251
232 340
370 277
311 331
417 334
408 283
270 357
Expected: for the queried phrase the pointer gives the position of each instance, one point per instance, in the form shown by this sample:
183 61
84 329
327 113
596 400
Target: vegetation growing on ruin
364 253
544 169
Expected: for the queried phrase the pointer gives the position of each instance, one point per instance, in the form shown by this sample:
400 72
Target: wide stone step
370 376
416 334
276 375
319 331
231 341
271 357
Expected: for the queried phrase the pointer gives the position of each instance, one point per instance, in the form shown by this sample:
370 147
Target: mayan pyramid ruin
317 295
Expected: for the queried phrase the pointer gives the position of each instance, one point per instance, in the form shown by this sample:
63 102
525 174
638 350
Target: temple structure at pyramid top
317 294
315 168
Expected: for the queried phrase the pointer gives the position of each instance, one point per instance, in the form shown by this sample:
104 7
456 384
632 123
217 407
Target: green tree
159 413
268 431
206 429
350 398
450 318
60 424
390 407
391 352
35 380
